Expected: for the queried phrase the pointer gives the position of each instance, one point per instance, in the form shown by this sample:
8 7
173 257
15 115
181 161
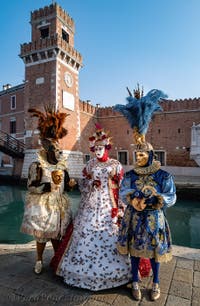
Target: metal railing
11 146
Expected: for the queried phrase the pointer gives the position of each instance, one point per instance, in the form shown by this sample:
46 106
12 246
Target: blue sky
123 42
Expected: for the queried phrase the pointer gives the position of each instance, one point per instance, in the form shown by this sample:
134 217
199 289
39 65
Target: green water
184 218
12 200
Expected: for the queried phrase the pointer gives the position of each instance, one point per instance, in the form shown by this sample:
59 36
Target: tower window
179 130
65 36
13 102
123 157
161 156
12 126
44 32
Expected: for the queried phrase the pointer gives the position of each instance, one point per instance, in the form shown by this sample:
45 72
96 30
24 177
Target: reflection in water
11 213
183 218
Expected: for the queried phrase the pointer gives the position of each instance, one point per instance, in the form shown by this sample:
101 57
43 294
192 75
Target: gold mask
57 176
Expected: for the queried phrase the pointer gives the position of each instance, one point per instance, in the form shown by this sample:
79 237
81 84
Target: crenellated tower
52 68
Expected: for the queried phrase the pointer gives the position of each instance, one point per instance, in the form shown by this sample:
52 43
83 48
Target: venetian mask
142 158
57 176
54 154
99 151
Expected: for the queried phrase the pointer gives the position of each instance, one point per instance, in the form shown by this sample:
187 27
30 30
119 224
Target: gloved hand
151 200
72 183
137 194
86 174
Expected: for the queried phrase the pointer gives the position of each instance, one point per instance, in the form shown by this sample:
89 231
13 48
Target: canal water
183 217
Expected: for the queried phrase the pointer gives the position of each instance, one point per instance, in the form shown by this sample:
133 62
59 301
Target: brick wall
169 131
7 113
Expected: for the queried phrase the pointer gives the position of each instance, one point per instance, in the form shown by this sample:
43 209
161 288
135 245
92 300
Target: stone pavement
180 282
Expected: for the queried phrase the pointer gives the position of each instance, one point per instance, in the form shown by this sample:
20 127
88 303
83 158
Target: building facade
52 77
11 116
52 67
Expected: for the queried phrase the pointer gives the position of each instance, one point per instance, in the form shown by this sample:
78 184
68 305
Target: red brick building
52 67
12 115
170 133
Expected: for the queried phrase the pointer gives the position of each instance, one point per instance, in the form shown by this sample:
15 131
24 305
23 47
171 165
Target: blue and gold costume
148 191
146 233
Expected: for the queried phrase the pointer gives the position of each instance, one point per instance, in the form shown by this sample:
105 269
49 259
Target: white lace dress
92 260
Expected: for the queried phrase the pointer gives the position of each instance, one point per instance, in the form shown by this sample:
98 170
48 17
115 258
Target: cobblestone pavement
179 281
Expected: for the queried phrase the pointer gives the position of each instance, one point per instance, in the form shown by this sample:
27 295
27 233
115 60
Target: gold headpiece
139 139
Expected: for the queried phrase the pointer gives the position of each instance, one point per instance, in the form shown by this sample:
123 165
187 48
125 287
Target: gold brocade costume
47 213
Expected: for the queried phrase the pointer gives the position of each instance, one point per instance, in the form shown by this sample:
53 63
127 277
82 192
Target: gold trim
110 187
154 167
138 138
61 165
123 250
102 164
145 254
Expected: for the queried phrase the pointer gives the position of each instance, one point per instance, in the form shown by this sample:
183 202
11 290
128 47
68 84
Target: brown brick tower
52 76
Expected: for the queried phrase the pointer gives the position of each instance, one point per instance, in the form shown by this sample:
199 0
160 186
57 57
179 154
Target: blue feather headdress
139 111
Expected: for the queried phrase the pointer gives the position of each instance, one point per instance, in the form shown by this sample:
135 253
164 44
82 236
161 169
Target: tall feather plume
140 109
50 123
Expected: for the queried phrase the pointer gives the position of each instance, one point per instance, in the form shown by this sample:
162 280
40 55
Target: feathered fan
50 123
140 109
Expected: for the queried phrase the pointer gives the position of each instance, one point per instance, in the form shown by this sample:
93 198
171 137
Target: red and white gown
91 260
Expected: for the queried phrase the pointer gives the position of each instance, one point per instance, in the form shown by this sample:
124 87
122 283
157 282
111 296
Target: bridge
14 148
11 146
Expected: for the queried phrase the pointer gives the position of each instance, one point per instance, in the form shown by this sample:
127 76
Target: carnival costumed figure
148 191
92 260
47 212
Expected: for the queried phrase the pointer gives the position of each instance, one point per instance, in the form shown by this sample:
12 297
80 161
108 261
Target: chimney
6 86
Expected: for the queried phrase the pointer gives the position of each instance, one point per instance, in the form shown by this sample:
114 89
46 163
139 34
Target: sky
123 42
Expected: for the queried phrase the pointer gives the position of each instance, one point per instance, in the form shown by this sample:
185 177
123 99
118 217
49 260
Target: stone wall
74 162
